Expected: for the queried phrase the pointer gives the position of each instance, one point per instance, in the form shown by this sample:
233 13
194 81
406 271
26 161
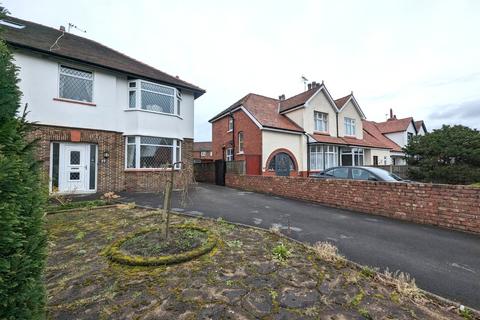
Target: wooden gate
220 168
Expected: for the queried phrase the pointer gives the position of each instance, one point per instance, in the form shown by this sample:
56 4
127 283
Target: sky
421 58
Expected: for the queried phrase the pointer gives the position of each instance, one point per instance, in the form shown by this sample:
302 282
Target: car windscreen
385 175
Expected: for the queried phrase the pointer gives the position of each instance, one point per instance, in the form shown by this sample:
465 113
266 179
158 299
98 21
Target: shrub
447 155
22 200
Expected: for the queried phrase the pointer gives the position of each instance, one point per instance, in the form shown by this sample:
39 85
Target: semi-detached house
105 121
306 133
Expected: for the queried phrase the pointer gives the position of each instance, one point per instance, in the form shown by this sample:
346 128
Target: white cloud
413 56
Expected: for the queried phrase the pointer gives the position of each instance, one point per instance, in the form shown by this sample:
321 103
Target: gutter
199 91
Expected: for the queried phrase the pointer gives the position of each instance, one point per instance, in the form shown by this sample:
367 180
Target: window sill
75 101
155 112
241 153
323 133
228 131
150 169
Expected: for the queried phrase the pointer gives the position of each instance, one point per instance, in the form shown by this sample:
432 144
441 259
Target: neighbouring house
400 131
202 152
306 133
104 121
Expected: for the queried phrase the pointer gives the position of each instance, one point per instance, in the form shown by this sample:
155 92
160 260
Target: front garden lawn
251 274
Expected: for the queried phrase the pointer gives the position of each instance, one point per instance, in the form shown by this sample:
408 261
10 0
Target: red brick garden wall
454 207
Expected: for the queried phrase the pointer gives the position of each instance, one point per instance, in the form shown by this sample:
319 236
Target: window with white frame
203 153
349 126
152 152
153 97
229 154
240 142
352 156
323 157
230 123
75 84
321 121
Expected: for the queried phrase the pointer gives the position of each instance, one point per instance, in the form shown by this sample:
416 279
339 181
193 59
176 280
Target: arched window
284 155
240 142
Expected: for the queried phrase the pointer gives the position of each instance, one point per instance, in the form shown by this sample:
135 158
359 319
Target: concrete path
443 262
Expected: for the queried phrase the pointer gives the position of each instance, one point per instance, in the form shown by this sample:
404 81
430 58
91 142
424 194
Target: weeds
273 294
465 313
368 272
364 313
328 252
236 244
80 235
281 252
404 285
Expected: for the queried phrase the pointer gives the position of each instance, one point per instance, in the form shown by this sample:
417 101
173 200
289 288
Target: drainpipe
308 156
233 136
339 155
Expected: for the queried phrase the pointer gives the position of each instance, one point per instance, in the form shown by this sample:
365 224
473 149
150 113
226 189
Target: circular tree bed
149 247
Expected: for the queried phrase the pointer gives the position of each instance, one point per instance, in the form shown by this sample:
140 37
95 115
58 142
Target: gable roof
41 38
420 124
370 129
395 125
297 100
264 110
202 146
340 102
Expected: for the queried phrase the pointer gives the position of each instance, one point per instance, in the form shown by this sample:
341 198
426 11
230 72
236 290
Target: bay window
349 126
152 152
154 97
323 157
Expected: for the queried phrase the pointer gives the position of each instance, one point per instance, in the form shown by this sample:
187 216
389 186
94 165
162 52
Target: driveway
444 262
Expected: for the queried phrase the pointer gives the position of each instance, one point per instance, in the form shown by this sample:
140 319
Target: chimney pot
314 84
309 86
281 97
62 28
391 113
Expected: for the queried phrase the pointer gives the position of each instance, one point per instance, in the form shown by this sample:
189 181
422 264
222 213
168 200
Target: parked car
358 173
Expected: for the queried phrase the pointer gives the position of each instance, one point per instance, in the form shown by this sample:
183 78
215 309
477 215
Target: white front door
74 168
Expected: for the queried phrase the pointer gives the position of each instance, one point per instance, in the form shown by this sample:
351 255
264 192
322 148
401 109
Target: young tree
22 199
447 155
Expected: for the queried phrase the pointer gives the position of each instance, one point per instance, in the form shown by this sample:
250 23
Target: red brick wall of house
197 155
110 172
252 136
112 175
448 206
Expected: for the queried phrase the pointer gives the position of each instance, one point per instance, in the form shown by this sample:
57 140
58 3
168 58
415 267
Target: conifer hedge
22 201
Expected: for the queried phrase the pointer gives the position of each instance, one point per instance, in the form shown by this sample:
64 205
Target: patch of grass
76 204
364 313
225 224
404 285
367 272
328 252
273 294
80 235
465 313
281 252
476 185
357 299
395 297
237 244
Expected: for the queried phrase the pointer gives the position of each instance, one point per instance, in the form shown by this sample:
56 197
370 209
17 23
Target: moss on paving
241 278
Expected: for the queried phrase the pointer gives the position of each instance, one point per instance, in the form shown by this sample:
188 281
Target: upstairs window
153 97
230 124
240 142
349 127
321 121
76 84
409 137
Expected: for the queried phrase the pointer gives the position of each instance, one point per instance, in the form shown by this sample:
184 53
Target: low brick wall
204 172
448 206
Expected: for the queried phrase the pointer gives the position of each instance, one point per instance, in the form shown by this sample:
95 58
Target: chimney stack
314 84
281 97
309 86
62 28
